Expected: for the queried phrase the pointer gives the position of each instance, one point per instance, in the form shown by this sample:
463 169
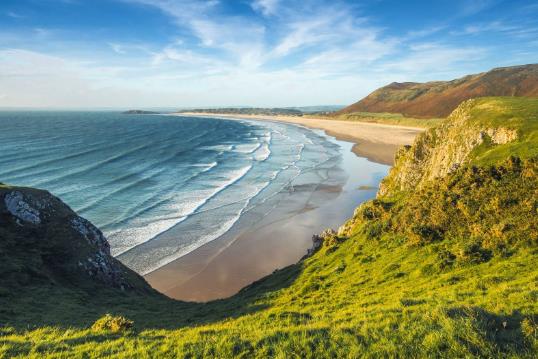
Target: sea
160 186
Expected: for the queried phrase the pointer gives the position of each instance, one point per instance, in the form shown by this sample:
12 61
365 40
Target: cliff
44 242
439 98
472 181
478 131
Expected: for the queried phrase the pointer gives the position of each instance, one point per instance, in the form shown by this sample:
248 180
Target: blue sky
175 53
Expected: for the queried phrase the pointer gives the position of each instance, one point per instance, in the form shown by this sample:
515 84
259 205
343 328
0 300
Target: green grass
387 118
371 298
448 270
520 114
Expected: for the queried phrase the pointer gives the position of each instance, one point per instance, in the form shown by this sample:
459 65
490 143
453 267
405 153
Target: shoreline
375 141
222 267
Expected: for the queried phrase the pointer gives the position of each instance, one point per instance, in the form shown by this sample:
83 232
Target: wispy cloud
15 15
117 48
471 7
266 7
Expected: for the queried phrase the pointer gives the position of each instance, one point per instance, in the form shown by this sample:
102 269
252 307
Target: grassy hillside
439 98
445 269
383 118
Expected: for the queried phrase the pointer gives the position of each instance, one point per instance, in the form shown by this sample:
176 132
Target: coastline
222 267
374 141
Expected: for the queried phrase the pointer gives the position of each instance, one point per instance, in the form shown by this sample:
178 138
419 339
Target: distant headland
140 112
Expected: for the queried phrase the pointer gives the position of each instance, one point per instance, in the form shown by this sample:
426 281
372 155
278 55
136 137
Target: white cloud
266 7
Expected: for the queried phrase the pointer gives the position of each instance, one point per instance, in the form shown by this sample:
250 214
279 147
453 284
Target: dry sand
377 142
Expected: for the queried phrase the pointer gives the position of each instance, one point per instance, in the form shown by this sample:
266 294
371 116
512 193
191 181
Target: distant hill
318 109
140 112
248 111
440 98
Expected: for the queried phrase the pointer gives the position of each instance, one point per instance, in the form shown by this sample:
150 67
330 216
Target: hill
440 98
140 112
441 264
247 111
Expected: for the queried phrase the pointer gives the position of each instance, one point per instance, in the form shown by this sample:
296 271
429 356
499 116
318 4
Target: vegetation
446 270
386 118
249 111
112 324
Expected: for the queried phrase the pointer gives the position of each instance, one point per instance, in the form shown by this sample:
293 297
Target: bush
329 237
374 230
445 258
112 323
473 253
529 327
424 234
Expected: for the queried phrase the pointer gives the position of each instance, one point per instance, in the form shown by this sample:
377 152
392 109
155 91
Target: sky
189 53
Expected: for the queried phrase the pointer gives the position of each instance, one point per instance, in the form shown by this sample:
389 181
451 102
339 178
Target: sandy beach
222 267
377 142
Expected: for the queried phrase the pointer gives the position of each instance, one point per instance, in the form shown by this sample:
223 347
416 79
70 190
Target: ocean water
161 186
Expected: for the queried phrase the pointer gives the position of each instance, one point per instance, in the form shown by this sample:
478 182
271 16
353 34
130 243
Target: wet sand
375 141
222 267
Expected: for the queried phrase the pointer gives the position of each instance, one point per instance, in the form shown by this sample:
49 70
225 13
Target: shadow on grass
503 331
61 307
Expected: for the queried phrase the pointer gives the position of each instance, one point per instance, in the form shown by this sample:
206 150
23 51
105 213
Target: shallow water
162 186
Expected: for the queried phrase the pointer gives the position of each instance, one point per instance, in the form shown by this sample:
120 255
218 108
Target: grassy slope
386 290
385 118
517 113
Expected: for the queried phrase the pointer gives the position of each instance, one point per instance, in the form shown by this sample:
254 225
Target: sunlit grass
384 118
381 289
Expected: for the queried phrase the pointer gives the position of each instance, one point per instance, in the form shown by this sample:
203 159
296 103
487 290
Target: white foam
262 153
247 148
221 148
122 241
203 239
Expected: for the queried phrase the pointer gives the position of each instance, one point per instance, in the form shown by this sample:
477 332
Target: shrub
373 230
424 234
473 253
329 237
529 327
445 259
112 323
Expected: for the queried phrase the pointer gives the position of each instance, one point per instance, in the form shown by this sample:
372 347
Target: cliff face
440 98
43 241
456 142
470 184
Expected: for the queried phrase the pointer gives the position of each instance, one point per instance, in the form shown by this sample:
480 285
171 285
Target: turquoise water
161 186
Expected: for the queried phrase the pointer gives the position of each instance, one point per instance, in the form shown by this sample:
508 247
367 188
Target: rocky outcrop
441 150
42 239
18 207
328 237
